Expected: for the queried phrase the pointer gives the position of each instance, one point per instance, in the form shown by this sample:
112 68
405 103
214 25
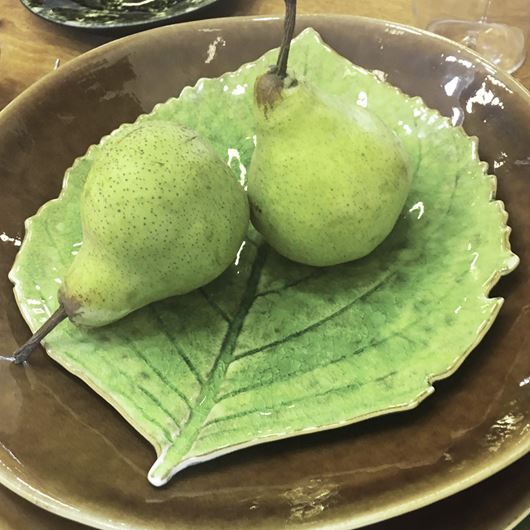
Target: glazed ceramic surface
351 476
274 349
497 503
113 15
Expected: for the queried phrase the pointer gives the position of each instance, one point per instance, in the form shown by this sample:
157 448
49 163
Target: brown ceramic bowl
497 503
65 449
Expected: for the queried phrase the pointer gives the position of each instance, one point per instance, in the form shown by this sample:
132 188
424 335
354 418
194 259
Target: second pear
326 183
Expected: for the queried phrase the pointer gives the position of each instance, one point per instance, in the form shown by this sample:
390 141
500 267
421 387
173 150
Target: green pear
327 182
161 215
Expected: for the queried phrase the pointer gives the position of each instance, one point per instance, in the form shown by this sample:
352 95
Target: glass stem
484 17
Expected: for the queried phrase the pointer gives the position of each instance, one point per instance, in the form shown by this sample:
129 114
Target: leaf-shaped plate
273 349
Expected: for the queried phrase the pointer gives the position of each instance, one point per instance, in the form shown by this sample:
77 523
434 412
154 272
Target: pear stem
288 33
24 352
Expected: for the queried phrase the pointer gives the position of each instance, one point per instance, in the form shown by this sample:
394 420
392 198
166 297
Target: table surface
30 47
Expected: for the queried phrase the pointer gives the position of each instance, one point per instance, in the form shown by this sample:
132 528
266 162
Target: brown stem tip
24 352
269 86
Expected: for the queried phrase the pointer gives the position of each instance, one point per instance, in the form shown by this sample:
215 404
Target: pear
161 215
327 182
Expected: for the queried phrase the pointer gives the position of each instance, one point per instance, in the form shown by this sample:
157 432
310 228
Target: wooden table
29 47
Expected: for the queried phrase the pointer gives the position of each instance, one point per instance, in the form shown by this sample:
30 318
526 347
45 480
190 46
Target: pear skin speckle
326 184
162 215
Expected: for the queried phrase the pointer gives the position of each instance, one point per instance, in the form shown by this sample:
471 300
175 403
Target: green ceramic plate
273 349
115 15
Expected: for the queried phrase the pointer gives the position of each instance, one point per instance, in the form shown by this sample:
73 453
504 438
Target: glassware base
500 44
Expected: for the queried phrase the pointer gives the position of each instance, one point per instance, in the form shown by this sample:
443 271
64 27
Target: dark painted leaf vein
155 370
314 274
208 397
147 418
281 405
172 340
318 324
213 304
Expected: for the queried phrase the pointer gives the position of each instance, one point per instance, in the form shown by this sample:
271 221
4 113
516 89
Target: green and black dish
116 16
